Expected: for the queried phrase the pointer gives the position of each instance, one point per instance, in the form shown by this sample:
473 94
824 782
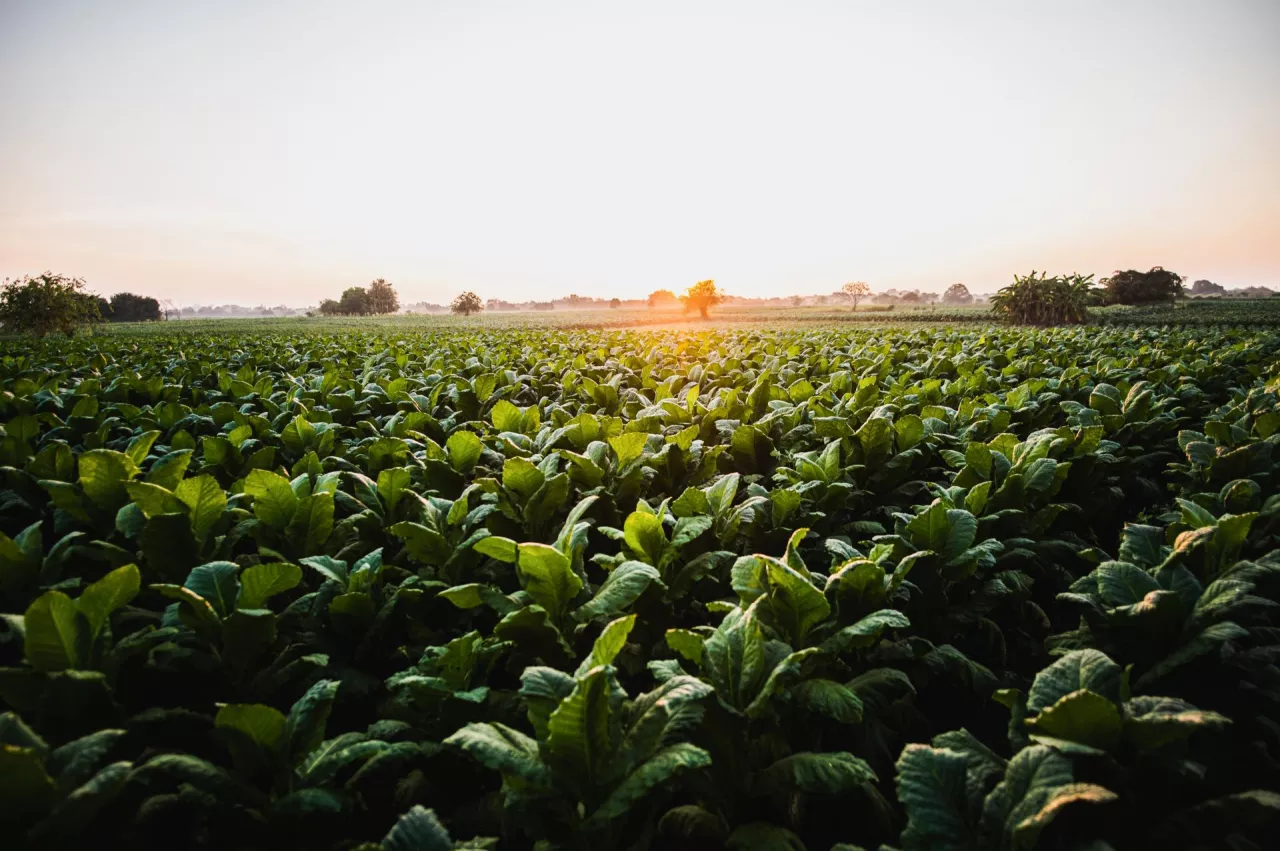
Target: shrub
45 303
466 304
1134 287
1037 299
701 297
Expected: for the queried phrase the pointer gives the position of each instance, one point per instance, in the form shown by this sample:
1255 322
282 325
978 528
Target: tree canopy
957 294
466 304
855 291
43 304
702 296
1134 287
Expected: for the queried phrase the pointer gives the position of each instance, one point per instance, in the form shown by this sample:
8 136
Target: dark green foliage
1150 287
927 589
1037 299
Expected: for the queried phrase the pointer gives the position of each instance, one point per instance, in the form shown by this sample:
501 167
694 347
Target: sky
278 152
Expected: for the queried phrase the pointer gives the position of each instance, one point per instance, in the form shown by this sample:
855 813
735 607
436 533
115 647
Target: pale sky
251 152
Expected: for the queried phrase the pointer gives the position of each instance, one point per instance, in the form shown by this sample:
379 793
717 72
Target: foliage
855 291
1037 299
128 307
701 297
1134 287
382 297
466 304
1203 287
661 298
377 585
43 304
957 294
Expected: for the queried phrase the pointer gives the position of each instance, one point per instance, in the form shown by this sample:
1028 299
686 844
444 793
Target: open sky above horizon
276 152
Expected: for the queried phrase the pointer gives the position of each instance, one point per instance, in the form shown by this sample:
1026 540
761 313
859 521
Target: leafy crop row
932 589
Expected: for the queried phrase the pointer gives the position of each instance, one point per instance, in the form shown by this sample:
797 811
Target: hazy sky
278 151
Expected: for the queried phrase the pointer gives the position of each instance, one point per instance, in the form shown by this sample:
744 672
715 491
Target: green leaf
308 717
1082 716
522 476
274 502
393 483
504 749
103 476
109 593
263 725
1034 774
152 499
495 546
548 577
621 588
1123 584
611 641
734 658
797 605
507 417
25 786
628 447
1153 722
832 773
168 471
659 770
261 582
418 830
206 501
687 643
581 731
425 545
645 536
464 450
828 698
1079 669
931 787
217 583
52 634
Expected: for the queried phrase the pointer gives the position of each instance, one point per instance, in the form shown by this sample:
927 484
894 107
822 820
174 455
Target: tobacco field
946 588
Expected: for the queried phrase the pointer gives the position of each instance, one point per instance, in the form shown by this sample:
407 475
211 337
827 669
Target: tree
354 302
1037 299
42 304
467 304
702 296
661 298
382 298
128 307
1134 287
329 307
855 291
796 300
615 303
957 294
1203 288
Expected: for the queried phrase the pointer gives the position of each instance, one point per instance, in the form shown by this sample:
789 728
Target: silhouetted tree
329 307
42 304
128 307
354 302
702 296
1203 287
855 291
382 298
466 304
661 298
615 303
1134 287
957 294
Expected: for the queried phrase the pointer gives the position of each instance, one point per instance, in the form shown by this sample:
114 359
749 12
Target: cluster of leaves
756 589
1038 299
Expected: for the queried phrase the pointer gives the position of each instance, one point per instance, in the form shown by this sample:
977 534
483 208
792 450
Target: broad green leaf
1082 716
52 633
495 546
831 773
826 697
274 502
797 605
206 501
464 450
657 771
217 583
687 643
607 646
504 749
931 787
628 447
581 731
621 588
261 582
1079 669
152 499
264 725
308 717
109 593
1123 584
645 536
548 577
103 476
417 830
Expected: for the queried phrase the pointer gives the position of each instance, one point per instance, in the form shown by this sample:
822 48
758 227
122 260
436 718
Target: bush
1134 287
466 304
1037 299
45 303
128 307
